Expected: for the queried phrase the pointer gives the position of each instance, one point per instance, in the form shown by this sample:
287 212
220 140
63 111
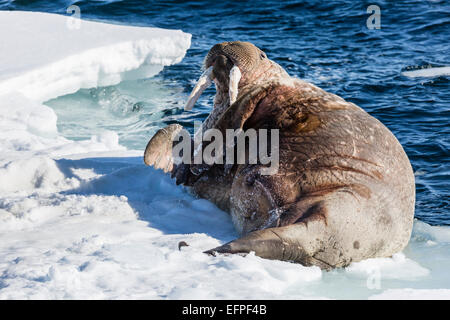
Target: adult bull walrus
344 190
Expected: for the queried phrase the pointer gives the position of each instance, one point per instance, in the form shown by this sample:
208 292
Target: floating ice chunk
428 72
63 60
109 138
424 232
42 58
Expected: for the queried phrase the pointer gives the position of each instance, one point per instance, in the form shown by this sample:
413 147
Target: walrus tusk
203 82
235 76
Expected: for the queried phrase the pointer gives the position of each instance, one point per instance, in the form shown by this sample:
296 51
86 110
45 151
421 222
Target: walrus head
233 66
237 69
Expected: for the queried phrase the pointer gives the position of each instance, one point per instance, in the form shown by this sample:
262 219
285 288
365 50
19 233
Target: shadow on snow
152 194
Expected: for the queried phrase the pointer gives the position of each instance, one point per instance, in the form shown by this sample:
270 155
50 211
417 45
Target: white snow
88 220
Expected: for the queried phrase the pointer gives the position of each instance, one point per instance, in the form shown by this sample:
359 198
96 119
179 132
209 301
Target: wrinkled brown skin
344 190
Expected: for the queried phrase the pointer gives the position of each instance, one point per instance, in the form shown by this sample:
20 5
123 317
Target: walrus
344 190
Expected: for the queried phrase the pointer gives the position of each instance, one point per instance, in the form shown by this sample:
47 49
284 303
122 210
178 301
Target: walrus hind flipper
274 244
301 236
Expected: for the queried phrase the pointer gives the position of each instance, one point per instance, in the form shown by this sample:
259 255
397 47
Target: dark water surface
327 43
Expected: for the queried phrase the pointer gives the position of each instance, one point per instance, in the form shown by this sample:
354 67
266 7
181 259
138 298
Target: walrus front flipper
280 243
158 152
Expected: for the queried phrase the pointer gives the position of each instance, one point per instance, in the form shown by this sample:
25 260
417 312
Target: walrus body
344 190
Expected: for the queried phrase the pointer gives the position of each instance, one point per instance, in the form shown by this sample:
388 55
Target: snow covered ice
86 219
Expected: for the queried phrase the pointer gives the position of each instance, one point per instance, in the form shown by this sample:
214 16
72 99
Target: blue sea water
325 42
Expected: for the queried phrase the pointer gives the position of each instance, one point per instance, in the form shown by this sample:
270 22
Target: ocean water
327 43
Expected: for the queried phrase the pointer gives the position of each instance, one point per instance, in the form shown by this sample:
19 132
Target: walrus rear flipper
274 244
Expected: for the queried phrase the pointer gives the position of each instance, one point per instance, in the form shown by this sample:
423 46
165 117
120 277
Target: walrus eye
263 56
